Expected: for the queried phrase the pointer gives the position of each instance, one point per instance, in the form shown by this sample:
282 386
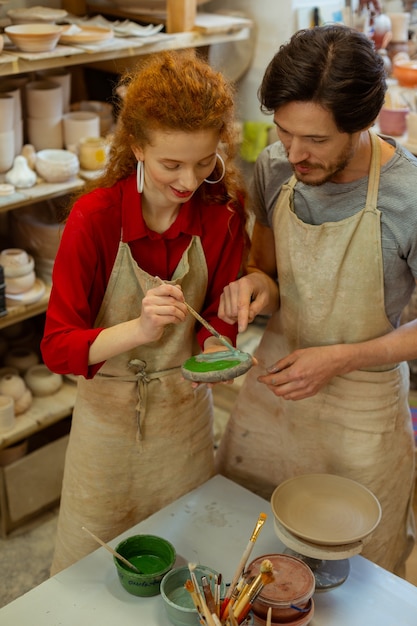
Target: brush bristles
266 566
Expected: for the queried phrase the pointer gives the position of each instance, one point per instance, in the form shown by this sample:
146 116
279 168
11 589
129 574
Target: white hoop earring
213 182
140 176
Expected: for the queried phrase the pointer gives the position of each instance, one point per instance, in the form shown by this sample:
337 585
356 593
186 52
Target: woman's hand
161 306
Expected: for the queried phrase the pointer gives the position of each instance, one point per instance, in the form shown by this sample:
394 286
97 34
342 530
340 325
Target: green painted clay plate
215 367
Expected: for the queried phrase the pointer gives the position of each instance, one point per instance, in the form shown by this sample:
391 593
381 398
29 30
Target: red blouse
88 249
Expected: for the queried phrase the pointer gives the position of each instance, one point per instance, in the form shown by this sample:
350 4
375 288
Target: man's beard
330 172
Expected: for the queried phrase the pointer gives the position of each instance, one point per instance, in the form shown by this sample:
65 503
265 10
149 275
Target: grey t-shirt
332 202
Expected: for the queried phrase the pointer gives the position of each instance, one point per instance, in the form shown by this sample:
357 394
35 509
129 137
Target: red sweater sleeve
85 257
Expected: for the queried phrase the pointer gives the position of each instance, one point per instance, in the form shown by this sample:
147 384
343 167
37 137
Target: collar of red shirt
134 227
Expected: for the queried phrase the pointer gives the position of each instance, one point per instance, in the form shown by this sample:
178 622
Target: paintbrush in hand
203 322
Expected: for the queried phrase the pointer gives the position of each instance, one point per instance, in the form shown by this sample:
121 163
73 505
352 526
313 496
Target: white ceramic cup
400 23
44 99
6 150
17 82
103 109
45 133
7 106
12 89
61 76
78 125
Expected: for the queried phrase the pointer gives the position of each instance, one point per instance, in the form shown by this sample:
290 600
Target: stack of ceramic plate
324 516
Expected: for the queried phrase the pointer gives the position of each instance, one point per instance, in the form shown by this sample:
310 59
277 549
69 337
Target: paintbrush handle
239 569
202 321
113 552
209 327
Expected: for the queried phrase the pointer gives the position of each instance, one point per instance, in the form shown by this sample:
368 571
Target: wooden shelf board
42 413
39 192
20 312
137 46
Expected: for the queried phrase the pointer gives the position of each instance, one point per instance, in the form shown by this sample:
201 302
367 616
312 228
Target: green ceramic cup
153 556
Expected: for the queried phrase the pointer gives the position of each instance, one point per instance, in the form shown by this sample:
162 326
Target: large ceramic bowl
406 73
56 166
326 509
34 37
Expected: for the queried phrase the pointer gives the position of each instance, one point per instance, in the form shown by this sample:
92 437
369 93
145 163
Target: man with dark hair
333 262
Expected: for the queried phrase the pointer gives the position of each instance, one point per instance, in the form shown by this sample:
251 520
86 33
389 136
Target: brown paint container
290 593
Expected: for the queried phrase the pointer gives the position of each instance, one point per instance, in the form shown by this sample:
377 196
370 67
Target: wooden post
181 15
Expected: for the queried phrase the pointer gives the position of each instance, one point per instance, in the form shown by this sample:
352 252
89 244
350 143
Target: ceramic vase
41 381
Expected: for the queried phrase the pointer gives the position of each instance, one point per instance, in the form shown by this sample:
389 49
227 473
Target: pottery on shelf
21 175
20 284
15 387
18 269
24 402
56 166
15 261
29 152
41 381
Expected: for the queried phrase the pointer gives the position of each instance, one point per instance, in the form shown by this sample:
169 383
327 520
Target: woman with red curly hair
164 225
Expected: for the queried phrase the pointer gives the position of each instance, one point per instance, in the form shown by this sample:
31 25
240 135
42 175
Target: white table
210 525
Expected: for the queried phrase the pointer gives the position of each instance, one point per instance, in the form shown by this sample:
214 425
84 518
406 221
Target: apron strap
374 171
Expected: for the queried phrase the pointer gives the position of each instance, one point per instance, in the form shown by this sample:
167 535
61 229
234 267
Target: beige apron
141 436
358 425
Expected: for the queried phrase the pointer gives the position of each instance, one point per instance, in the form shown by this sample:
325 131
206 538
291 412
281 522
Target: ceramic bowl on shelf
16 262
41 381
20 284
34 37
38 14
405 71
56 166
